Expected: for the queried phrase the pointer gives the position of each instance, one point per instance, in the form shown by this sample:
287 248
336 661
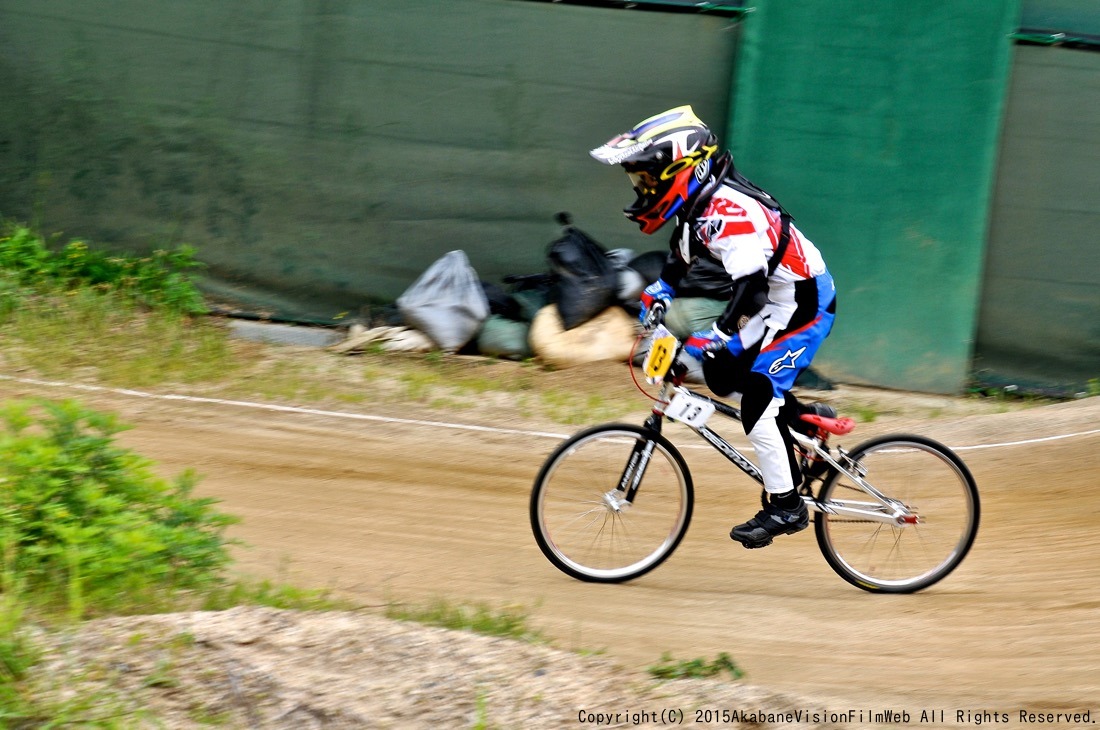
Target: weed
202 715
419 383
866 414
158 281
162 676
510 622
590 652
481 720
88 525
572 408
695 668
249 592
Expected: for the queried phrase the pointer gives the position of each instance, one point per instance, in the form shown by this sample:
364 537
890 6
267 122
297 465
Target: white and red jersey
742 234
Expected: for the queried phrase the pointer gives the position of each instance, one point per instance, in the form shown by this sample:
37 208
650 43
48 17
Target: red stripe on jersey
773 236
724 208
794 258
733 228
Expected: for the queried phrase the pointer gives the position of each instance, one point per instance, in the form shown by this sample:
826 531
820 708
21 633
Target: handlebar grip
655 315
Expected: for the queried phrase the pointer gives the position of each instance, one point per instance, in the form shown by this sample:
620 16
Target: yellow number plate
662 348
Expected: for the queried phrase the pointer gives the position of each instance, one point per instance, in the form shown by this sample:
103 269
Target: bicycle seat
836 426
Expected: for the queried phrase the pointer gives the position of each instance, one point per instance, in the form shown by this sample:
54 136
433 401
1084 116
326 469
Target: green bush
159 281
130 321
88 525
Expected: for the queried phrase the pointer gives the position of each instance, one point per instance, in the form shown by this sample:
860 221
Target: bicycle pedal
750 545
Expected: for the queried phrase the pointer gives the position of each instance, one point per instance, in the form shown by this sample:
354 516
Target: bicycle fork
622 496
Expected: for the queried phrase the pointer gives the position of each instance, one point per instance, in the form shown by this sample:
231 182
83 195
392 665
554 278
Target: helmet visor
642 180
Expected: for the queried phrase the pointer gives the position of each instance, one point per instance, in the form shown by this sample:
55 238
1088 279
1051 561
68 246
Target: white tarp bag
388 339
447 302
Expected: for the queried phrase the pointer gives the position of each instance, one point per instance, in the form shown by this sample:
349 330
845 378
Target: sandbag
447 302
609 335
586 280
501 336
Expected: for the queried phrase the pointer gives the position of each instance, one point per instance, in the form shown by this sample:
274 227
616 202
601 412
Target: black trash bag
586 280
649 265
500 302
706 278
530 292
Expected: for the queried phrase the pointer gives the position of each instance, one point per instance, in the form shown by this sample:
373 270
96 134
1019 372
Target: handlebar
655 316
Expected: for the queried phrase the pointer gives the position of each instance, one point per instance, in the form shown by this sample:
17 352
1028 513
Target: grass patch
579 408
509 622
106 334
669 668
74 313
129 320
253 592
865 414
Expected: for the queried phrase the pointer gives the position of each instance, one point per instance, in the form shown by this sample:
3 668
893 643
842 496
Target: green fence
1040 307
877 124
321 154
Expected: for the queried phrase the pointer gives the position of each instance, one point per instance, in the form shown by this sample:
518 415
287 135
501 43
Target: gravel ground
267 668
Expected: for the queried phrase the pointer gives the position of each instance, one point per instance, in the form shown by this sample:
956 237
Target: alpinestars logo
787 362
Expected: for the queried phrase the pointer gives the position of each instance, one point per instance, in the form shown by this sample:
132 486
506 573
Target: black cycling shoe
771 522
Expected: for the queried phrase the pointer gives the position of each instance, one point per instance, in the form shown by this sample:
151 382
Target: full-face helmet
668 159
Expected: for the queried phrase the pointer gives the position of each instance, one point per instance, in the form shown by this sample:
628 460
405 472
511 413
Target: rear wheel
611 503
940 497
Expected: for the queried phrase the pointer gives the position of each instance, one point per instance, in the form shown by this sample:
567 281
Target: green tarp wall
1072 17
322 153
876 124
1040 313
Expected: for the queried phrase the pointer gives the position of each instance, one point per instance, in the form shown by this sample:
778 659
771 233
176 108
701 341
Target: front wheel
611 503
933 489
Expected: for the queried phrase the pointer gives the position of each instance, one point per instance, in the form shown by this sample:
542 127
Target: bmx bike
896 514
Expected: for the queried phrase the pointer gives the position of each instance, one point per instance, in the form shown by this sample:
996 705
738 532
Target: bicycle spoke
937 504
582 523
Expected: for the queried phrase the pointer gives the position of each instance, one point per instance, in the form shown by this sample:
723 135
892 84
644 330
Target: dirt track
382 511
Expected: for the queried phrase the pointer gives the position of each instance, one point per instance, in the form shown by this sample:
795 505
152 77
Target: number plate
662 347
689 410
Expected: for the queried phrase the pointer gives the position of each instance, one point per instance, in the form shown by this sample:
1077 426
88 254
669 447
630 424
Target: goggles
642 180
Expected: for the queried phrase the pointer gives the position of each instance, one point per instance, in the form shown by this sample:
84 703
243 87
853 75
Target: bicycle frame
882 509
